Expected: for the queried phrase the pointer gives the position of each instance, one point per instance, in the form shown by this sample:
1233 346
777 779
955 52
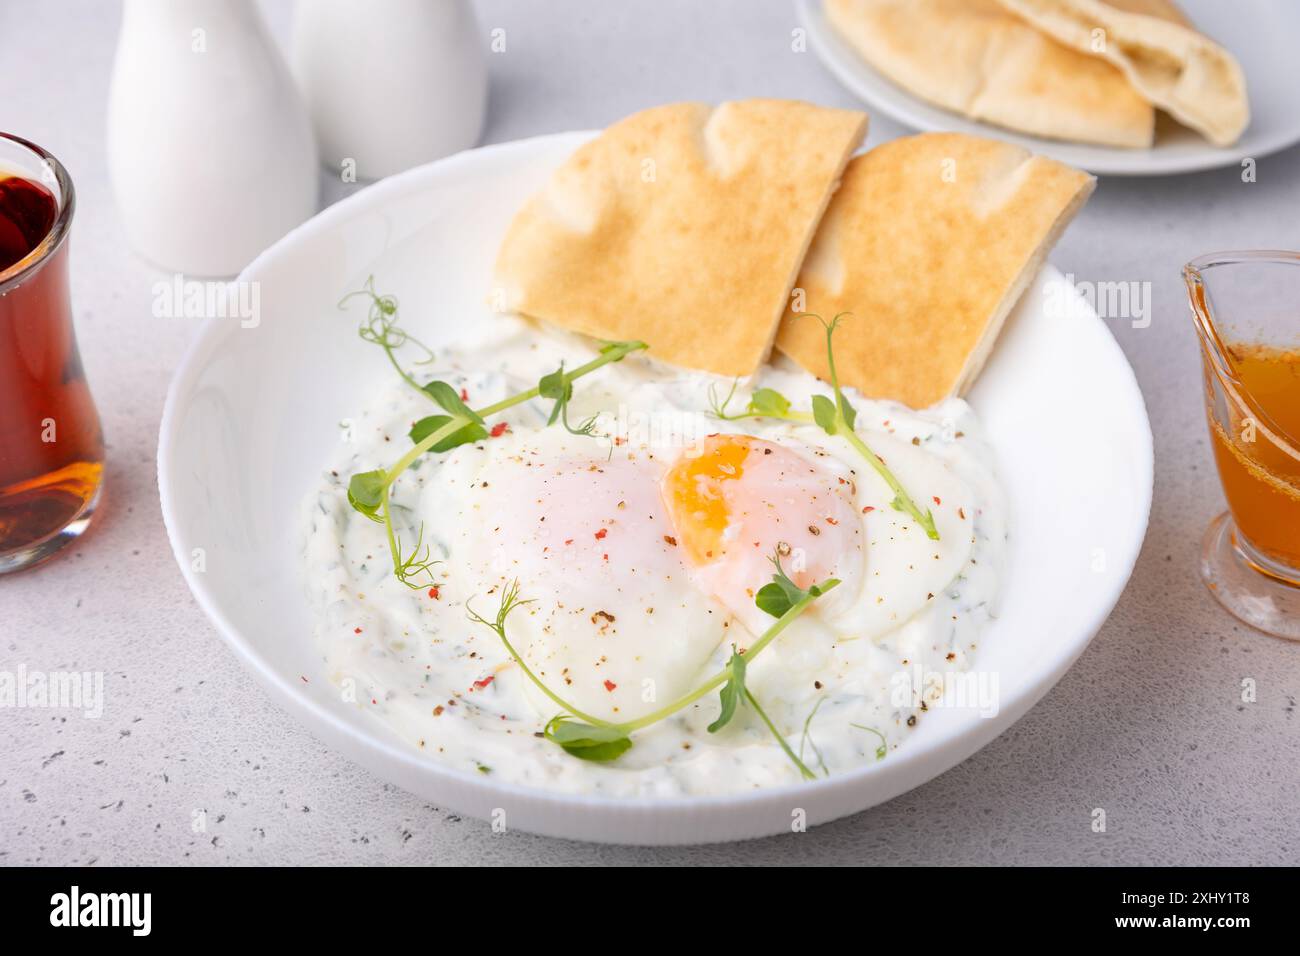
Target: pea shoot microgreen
835 415
780 738
733 691
419 562
474 428
763 403
587 737
369 491
558 386
587 741
380 328
883 749
780 594
510 600
807 740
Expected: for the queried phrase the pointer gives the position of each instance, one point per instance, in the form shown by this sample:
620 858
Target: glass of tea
1247 311
51 447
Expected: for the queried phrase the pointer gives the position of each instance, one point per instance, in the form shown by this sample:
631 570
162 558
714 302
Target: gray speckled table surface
1148 725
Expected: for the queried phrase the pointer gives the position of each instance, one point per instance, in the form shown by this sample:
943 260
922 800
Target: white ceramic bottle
210 149
390 84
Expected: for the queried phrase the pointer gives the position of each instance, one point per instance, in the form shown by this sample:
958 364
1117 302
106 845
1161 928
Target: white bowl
1261 35
253 415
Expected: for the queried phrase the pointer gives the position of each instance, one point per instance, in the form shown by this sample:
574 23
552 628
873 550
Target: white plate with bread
937 243
1117 87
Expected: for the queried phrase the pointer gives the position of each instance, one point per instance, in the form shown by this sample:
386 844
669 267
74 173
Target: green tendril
380 328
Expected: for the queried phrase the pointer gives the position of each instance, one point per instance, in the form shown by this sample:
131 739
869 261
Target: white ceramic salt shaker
390 84
210 149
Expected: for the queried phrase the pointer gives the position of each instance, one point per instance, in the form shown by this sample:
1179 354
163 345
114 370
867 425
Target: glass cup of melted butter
1246 307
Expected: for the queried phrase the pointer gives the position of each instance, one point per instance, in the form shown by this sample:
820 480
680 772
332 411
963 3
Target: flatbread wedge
682 226
977 59
1180 70
929 242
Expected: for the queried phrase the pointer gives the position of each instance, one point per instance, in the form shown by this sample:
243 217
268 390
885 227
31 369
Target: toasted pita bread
975 58
1183 72
683 226
929 243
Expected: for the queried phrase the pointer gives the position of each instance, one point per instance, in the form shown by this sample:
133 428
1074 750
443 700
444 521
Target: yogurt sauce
414 660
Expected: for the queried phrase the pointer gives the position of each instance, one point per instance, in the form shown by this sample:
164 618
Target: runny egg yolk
741 500
695 491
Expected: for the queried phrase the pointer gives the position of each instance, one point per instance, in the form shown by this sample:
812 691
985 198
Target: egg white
615 625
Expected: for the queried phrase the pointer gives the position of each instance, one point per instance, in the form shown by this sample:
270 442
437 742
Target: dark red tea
51 449
27 214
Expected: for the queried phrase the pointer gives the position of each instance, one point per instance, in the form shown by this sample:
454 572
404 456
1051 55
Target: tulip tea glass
51 449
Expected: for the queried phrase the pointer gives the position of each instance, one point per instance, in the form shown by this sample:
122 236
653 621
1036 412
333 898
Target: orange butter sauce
1258 461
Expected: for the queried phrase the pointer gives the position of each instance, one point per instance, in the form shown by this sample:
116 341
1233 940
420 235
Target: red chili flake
437 711
610 685
601 533
831 521
867 509
435 593
670 541
936 499
464 395
356 630
619 440
480 684
373 701
605 556
499 429
568 541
